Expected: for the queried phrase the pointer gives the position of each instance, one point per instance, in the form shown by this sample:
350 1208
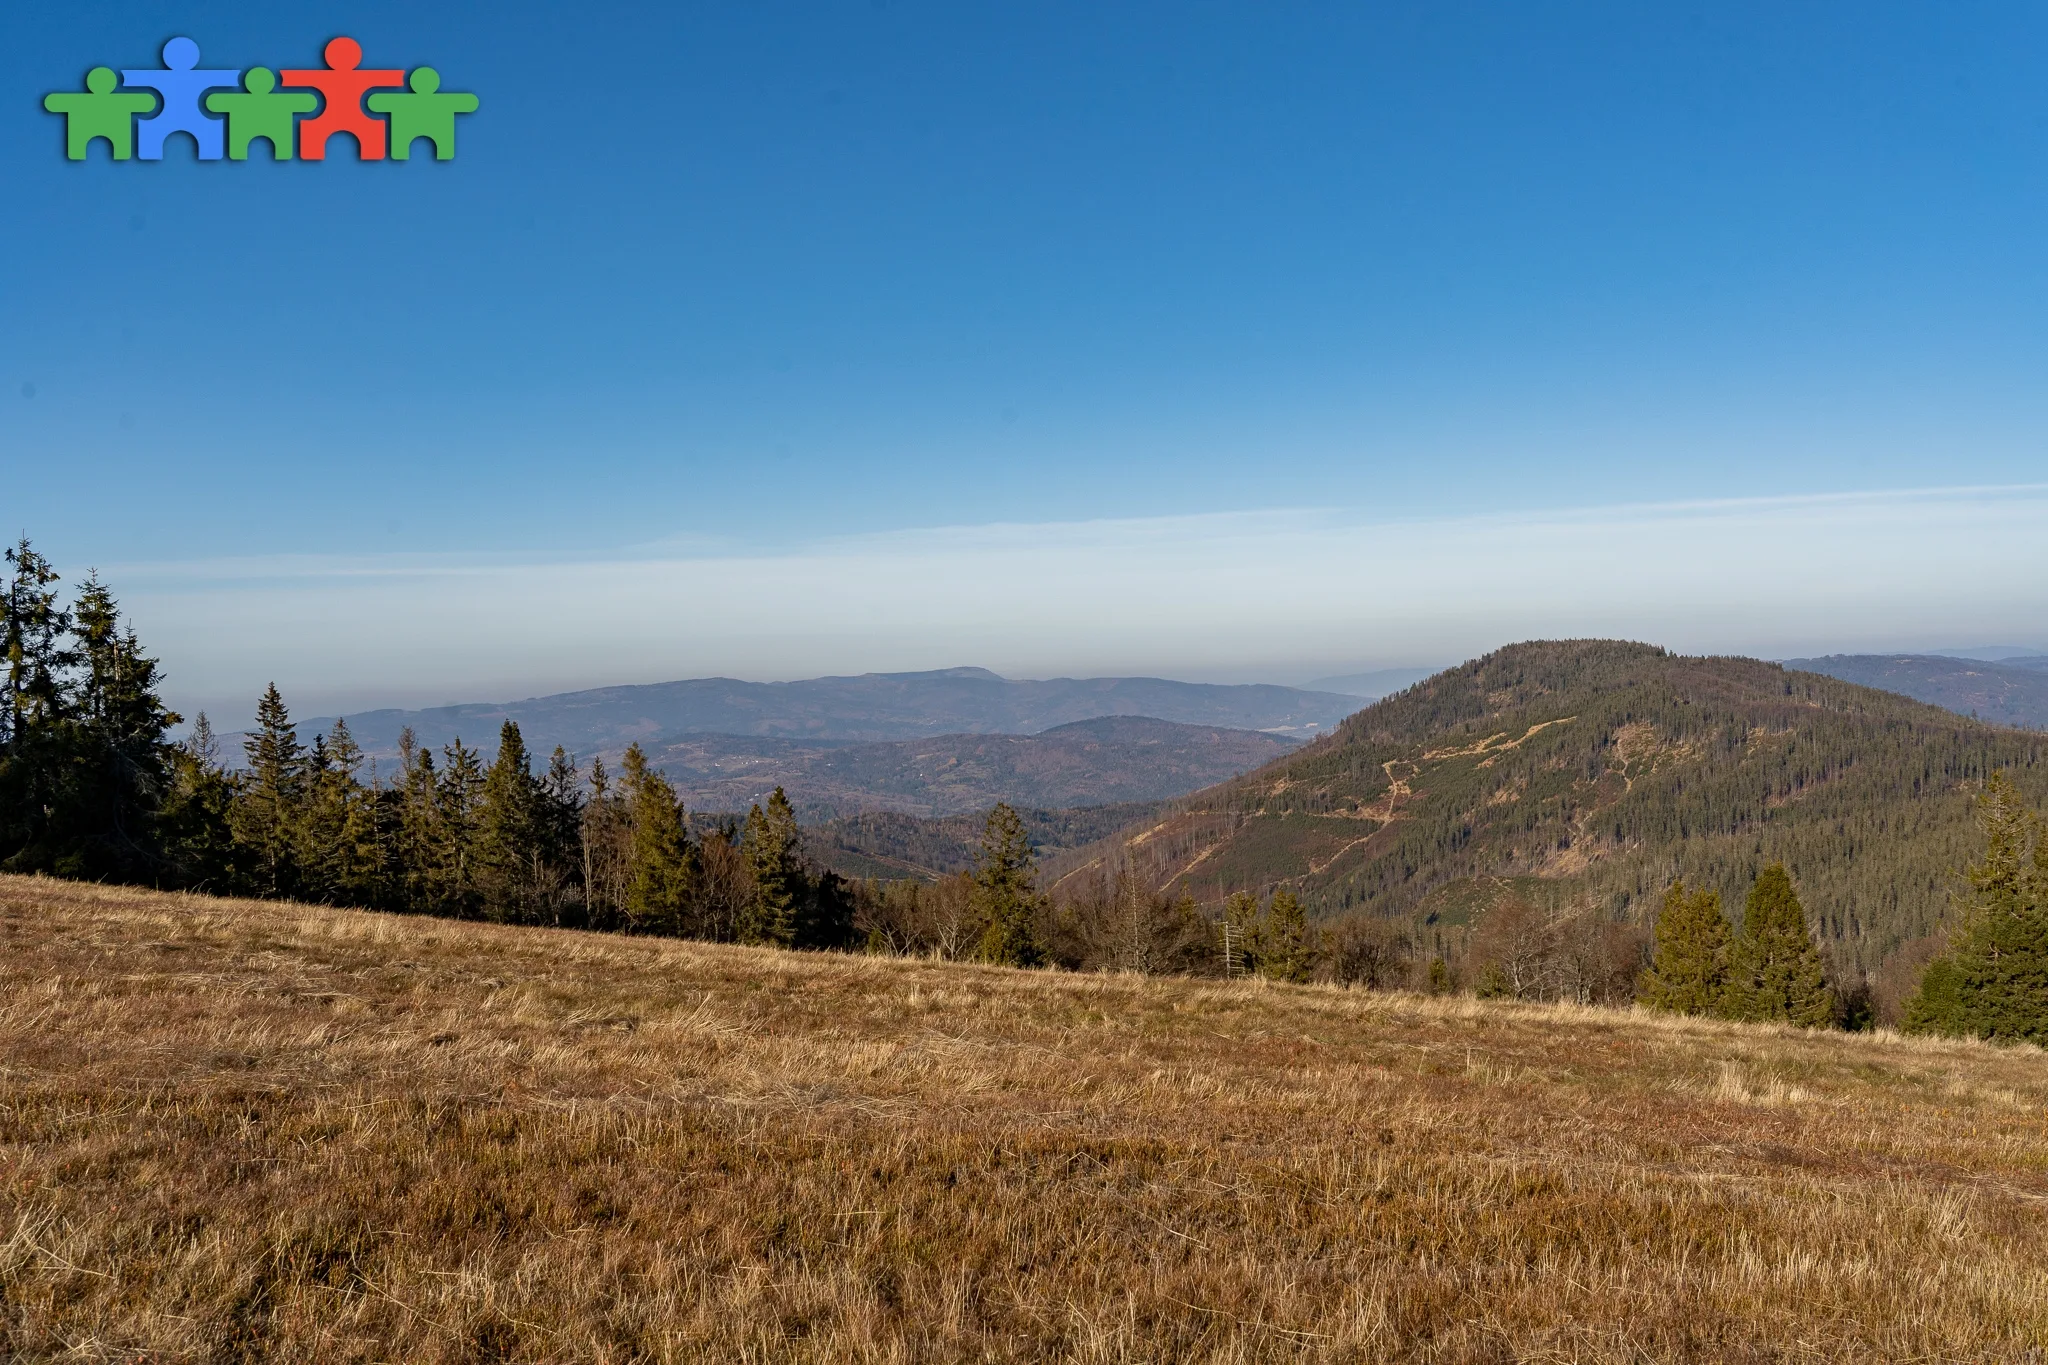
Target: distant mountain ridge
868 708
1997 654
2011 691
1373 685
1113 759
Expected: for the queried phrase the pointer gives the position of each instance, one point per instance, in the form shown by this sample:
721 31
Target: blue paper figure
181 87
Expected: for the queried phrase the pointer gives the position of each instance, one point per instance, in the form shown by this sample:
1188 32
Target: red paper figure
342 87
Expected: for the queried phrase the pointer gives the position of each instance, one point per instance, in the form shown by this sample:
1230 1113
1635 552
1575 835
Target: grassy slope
240 1131
1602 770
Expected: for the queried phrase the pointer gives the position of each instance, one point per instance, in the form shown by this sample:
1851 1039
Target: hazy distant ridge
2012 691
868 708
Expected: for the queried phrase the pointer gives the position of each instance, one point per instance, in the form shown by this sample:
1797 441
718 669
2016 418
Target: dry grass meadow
239 1131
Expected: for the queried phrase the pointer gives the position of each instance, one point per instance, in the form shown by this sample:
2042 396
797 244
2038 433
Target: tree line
1991 982
92 786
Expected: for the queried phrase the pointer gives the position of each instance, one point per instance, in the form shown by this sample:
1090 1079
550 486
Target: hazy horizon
1232 345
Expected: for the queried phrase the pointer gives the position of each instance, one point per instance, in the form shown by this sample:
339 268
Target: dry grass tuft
252 1131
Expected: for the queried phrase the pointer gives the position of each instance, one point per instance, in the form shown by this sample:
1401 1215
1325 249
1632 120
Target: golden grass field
240 1131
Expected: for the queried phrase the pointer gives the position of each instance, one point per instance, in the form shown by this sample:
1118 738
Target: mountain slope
2009 692
1594 772
1085 763
871 707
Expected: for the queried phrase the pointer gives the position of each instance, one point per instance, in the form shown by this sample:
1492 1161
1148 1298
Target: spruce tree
1287 953
1689 974
561 842
659 868
35 750
268 806
120 761
770 844
358 857
421 845
339 857
318 828
1993 983
458 801
1775 970
1005 893
33 624
510 833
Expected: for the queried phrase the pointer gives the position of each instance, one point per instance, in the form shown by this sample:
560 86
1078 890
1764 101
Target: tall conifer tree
1286 950
421 843
510 832
33 624
658 886
769 843
1689 974
1775 970
120 760
1006 892
339 851
561 832
268 809
458 797
1993 983
34 752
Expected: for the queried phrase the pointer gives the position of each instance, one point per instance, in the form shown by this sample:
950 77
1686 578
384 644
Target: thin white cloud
1194 595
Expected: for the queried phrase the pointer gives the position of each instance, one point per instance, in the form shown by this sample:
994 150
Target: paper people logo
259 109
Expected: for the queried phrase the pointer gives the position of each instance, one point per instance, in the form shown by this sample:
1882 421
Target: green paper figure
259 113
424 113
100 113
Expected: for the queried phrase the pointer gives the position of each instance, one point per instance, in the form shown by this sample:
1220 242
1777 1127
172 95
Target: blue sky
722 309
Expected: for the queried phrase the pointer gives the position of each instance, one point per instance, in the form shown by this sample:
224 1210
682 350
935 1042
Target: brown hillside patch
1636 740
1499 743
1567 862
234 1131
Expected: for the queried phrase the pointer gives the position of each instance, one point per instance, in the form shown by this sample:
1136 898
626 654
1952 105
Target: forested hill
871 707
2009 692
1595 772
